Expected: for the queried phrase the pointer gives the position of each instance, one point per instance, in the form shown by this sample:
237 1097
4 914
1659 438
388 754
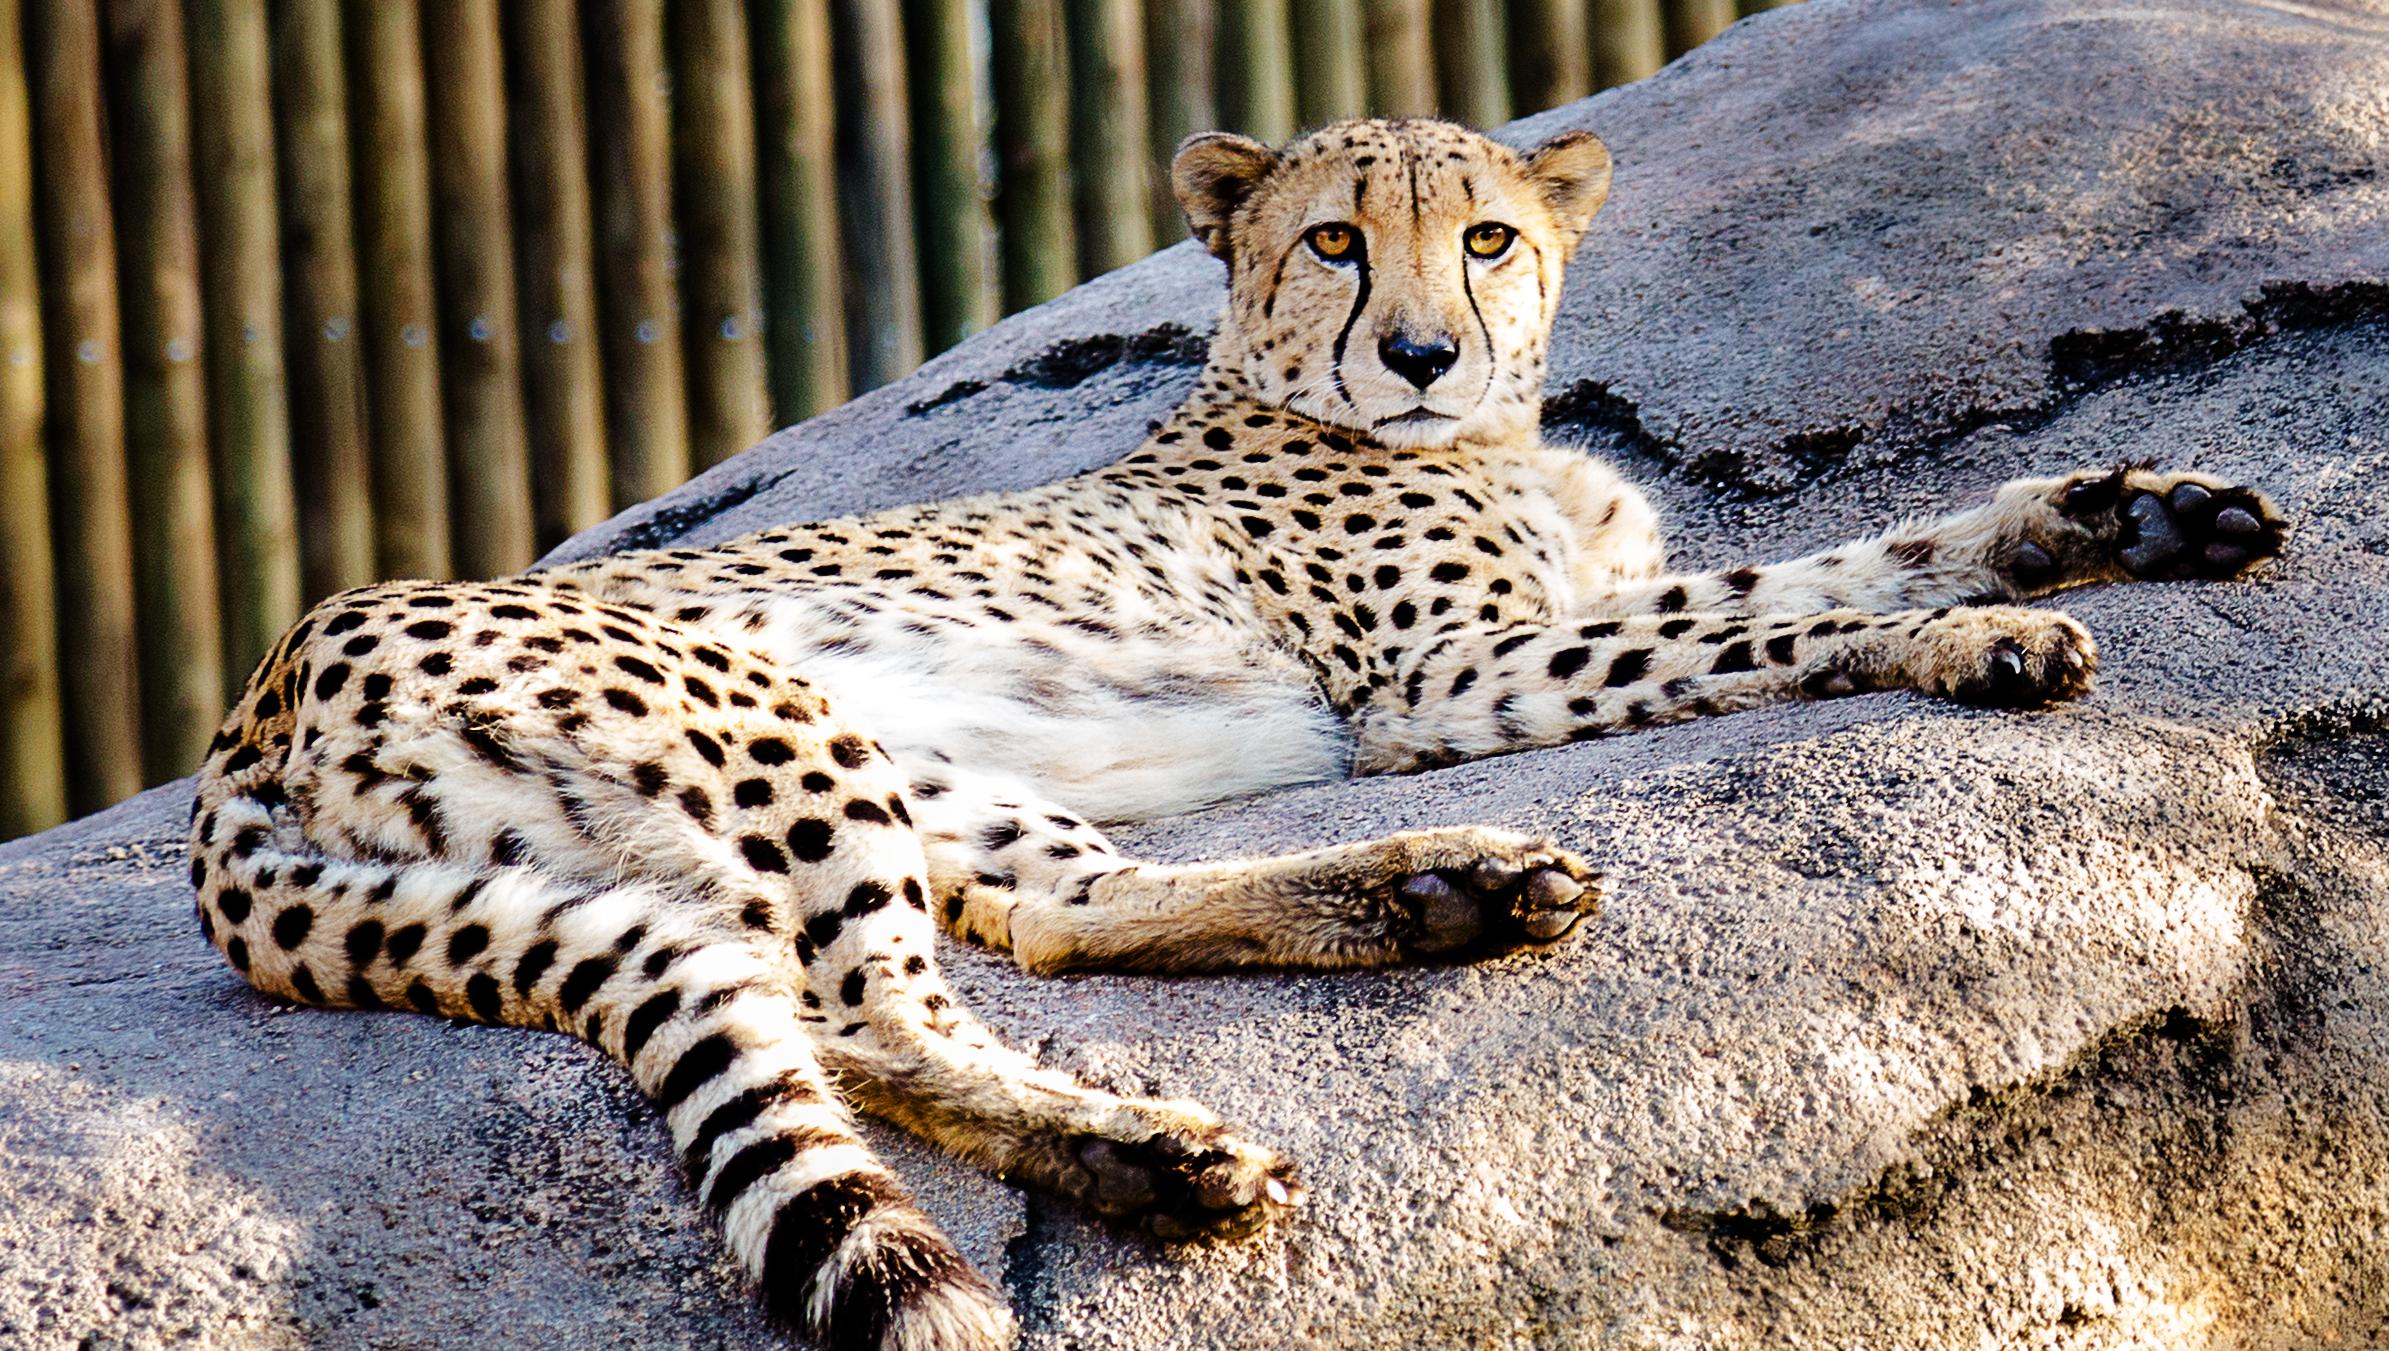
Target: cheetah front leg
2034 537
1485 691
1018 874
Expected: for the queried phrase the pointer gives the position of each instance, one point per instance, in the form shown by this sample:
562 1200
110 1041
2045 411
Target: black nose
1421 363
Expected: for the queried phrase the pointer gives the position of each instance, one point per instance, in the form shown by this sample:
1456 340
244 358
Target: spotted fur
706 808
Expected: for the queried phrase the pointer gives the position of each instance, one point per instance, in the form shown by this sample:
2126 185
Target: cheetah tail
704 1018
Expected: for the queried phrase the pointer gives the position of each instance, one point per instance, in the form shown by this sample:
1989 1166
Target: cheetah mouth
1416 417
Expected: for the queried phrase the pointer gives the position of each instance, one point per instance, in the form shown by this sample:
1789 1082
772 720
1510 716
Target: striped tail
703 1014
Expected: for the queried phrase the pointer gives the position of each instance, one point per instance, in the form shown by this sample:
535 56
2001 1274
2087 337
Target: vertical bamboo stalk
248 422
563 398
1693 22
1473 65
32 749
1181 40
412 535
1107 133
1402 58
646 401
1032 137
1551 52
1256 68
1330 73
883 295
1629 41
955 234
713 144
804 324
326 373
84 395
174 532
472 231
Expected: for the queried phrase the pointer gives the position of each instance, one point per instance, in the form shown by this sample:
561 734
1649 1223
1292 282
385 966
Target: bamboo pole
1402 58
883 294
472 231
1107 133
326 370
1551 52
1330 72
174 532
804 324
248 422
1256 69
1693 22
1629 41
646 401
1181 40
90 521
1032 136
955 233
563 397
713 142
1472 63
32 748
412 536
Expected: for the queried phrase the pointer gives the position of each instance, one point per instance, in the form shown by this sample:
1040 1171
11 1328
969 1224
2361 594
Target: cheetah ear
1212 173
1573 171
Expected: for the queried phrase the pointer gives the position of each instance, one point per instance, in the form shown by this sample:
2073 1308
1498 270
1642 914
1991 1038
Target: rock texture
1906 1026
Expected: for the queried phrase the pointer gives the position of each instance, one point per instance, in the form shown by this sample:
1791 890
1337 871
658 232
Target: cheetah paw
2151 526
1186 1185
1499 892
2005 657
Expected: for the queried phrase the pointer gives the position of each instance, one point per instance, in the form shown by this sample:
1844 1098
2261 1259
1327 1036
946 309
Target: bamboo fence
300 294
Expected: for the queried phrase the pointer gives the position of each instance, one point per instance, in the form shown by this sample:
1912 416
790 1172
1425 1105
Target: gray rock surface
1906 1026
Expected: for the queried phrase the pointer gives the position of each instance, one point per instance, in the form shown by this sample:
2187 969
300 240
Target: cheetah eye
1335 241
1488 241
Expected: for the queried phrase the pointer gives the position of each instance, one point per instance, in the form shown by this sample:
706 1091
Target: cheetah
708 808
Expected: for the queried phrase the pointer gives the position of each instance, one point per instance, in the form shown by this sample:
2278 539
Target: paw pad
2194 532
1179 1189
1493 905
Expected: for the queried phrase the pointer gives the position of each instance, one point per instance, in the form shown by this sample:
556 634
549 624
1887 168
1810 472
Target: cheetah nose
1421 363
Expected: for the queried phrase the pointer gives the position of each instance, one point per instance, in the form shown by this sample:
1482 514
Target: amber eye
1335 241
1489 240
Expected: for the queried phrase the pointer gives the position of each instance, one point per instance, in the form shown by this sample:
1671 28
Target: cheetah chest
1122 718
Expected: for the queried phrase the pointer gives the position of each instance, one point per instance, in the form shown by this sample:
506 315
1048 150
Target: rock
1904 1025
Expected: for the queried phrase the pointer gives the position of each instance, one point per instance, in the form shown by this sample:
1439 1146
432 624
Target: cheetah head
1397 278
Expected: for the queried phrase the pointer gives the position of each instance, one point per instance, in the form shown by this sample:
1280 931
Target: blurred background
295 296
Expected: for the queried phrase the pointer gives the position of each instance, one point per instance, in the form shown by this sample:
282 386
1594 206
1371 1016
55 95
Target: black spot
863 810
698 804
707 747
651 1014
1779 648
1741 581
403 943
582 982
377 685
467 943
1569 661
1448 572
1671 600
506 848
535 961
430 630
815 781
700 1065
364 942
343 622
634 666
647 778
810 840
437 664
236 951
770 750
234 902
329 683
762 855
849 751
753 1162
481 993
420 995
302 981
1734 658
626 702
865 898
752 793
1628 667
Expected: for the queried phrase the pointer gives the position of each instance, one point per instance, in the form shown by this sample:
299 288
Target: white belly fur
1117 729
